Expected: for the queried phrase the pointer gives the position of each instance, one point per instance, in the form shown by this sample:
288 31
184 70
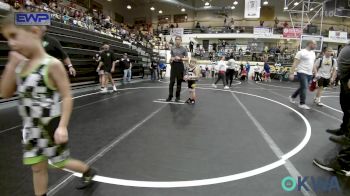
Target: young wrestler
191 77
41 80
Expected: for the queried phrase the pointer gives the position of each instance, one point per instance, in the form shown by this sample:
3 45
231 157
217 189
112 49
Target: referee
53 48
178 56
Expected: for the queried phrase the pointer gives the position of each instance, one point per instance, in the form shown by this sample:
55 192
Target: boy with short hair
192 76
325 69
41 80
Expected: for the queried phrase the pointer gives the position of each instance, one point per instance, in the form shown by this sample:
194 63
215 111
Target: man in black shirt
191 46
126 66
154 68
53 48
178 56
107 60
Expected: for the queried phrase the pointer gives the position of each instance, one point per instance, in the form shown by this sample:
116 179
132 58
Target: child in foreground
40 81
192 76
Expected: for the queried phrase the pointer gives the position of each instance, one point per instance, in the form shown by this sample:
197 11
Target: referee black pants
176 74
345 106
229 76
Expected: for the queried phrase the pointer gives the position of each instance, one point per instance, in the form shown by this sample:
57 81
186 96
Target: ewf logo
32 18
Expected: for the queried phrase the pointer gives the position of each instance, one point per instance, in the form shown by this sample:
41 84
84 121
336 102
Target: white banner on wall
176 32
263 31
305 38
338 35
252 8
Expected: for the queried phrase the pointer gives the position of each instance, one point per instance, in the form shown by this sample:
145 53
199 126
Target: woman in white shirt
221 68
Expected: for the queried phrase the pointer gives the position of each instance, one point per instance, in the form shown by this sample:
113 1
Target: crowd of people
94 20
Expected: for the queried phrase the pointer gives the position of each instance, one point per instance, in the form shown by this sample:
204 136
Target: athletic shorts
323 82
191 84
107 70
101 72
39 145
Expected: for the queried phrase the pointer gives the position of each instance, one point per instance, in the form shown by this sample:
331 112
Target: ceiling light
183 10
311 9
160 11
128 6
166 18
233 7
296 3
207 3
235 2
285 8
152 8
266 2
109 0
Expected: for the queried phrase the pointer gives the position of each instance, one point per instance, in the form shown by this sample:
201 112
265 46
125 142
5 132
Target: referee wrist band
70 65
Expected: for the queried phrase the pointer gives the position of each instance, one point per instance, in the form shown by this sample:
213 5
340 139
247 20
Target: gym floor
231 142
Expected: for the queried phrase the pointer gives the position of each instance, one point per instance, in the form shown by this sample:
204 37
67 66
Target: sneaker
169 99
87 179
332 166
304 106
193 101
319 104
342 140
226 87
115 89
317 101
292 100
214 85
103 90
328 167
177 99
337 132
188 100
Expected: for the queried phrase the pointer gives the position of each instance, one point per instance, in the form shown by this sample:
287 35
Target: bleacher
82 45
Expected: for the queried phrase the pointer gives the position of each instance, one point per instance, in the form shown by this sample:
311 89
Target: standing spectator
221 73
262 23
267 71
231 64
178 56
162 69
257 73
126 66
304 61
107 60
325 69
198 26
101 73
247 68
276 22
191 46
153 68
